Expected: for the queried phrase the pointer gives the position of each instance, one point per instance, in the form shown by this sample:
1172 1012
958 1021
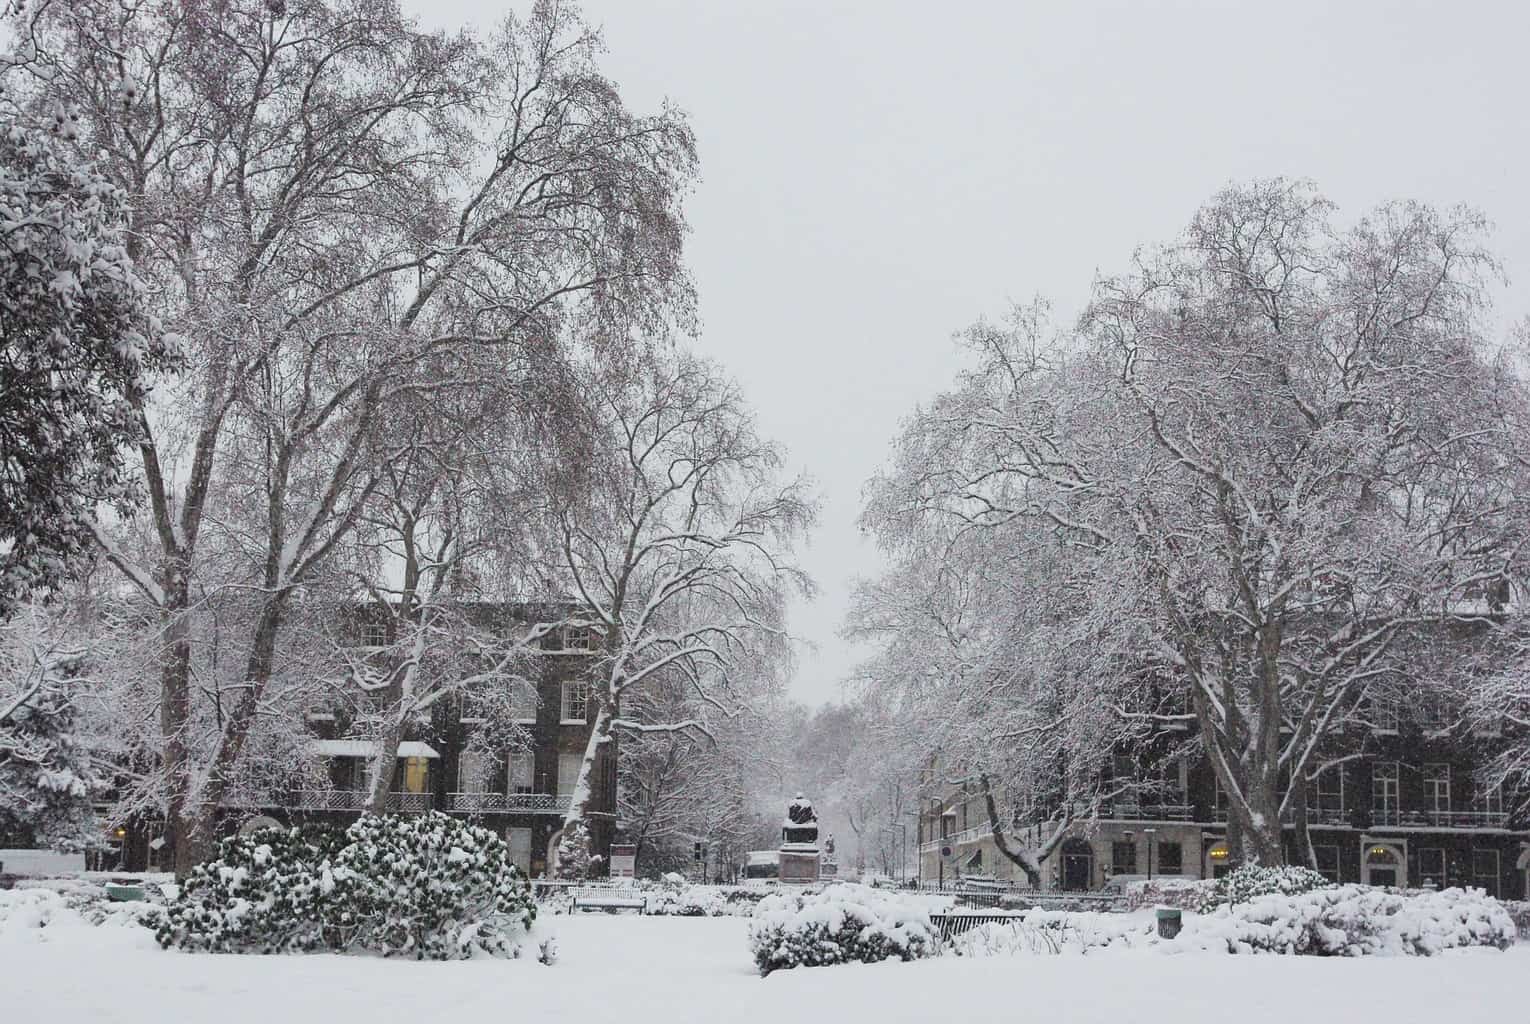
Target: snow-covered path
671 970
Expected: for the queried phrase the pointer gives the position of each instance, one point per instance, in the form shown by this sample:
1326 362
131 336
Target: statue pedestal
800 856
800 863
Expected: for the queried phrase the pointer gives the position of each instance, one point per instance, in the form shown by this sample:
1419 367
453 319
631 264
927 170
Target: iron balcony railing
507 803
1441 819
328 800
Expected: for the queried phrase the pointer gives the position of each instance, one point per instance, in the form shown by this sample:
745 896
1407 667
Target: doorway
1077 865
1383 864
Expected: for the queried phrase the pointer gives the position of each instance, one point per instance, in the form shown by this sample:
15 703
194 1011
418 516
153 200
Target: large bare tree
324 199
680 553
1275 451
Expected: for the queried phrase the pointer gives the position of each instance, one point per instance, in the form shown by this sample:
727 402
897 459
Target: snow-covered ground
698 969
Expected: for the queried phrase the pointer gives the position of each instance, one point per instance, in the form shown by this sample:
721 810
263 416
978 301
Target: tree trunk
1022 859
579 804
384 762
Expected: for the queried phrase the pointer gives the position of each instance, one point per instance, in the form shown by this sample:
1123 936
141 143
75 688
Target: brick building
1404 810
518 784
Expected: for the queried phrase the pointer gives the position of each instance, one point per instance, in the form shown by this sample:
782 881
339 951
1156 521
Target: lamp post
1150 833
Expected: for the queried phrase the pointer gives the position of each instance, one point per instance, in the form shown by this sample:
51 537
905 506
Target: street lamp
1150 833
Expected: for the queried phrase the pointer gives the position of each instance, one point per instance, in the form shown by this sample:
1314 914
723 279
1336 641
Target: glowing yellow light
121 833
1217 852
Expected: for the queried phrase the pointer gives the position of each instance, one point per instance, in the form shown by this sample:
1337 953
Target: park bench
609 900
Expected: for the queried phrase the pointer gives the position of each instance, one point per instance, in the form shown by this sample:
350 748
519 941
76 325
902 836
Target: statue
828 847
800 811
800 858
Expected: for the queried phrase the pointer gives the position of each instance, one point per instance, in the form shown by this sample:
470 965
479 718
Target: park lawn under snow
641 970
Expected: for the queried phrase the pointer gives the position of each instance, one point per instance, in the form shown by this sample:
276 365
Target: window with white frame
1488 799
374 634
1437 788
575 704
1433 714
473 709
521 767
578 638
473 772
1384 779
1384 716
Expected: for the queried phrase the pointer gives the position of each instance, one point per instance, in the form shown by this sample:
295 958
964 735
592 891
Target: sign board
623 860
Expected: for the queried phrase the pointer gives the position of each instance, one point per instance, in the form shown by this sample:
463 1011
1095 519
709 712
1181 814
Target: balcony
1439 819
507 803
328 800
1126 810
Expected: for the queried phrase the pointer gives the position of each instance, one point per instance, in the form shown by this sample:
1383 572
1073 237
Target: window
520 764
1437 788
472 772
576 695
568 773
578 638
1171 783
1485 870
1220 798
416 775
1123 768
1383 715
1384 776
1326 797
374 634
1433 715
1431 867
1488 799
1171 858
1327 862
523 700
1123 858
473 710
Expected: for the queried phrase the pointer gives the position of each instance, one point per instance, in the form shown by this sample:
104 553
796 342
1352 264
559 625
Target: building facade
513 777
1402 810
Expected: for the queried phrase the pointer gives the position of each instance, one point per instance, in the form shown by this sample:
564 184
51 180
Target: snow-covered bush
1354 920
842 924
429 887
1252 881
432 887
272 891
692 901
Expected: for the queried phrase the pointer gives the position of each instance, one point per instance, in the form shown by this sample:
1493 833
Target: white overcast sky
877 175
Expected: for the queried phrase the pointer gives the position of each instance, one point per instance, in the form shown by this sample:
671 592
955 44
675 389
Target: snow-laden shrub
1181 893
1354 920
1519 911
692 901
842 924
31 912
428 887
1252 881
272 891
432 887
1050 932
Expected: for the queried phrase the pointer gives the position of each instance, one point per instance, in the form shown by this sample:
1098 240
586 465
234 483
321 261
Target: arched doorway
1077 865
1524 867
1383 864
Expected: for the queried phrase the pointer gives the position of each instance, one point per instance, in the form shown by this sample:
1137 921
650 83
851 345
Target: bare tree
324 199
680 554
1272 452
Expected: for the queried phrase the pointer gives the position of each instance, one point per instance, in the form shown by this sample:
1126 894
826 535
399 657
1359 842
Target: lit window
576 695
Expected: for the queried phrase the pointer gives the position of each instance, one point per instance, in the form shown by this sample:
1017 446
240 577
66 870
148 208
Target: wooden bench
609 900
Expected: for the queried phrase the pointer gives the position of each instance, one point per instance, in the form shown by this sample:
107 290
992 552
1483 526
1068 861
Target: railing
1441 819
1147 812
351 800
507 803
